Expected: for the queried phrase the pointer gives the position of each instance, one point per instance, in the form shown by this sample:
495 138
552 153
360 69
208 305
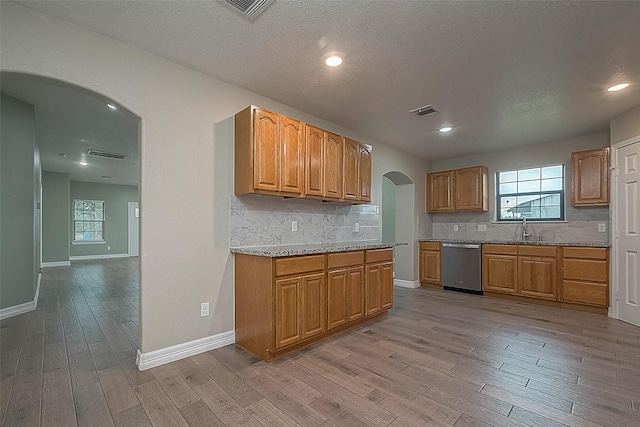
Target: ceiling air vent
427 110
99 153
249 8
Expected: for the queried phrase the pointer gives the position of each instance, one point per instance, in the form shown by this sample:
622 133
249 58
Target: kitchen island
288 297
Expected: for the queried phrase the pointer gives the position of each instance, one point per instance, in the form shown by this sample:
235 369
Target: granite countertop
524 242
312 249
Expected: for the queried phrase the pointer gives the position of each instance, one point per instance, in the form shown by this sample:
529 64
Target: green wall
388 210
55 217
19 198
116 199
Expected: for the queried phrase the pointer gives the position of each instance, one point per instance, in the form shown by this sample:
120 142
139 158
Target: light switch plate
356 228
455 227
294 225
482 227
602 228
204 309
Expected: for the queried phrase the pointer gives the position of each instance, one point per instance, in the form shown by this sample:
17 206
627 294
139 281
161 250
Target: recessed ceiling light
618 87
446 129
333 59
83 163
106 176
113 107
62 155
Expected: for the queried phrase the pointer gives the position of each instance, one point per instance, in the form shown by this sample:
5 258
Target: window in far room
536 194
88 221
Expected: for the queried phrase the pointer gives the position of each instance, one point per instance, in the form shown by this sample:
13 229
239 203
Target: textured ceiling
502 73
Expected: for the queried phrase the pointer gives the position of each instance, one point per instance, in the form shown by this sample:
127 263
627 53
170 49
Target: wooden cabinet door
537 277
355 293
314 173
291 155
288 311
372 296
351 169
439 191
470 189
386 285
430 266
266 173
312 305
337 298
500 273
590 177
333 146
364 181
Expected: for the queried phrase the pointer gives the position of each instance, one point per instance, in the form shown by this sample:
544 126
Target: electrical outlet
602 228
482 227
455 227
108 248
356 228
204 309
294 225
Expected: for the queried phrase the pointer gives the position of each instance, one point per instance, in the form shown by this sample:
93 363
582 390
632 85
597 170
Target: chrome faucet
525 235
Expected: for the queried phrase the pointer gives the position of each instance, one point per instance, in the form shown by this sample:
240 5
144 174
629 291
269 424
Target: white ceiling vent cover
249 8
106 154
427 110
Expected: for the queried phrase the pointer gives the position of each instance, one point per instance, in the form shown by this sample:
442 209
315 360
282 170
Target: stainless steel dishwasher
462 267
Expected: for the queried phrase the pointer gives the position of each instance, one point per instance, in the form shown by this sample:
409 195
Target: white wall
625 126
186 172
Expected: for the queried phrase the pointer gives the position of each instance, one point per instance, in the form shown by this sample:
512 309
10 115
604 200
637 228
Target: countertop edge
523 242
295 250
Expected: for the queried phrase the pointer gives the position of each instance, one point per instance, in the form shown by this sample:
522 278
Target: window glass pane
550 211
526 174
507 202
528 186
533 200
506 213
508 176
98 235
533 213
508 188
552 184
99 226
552 171
550 199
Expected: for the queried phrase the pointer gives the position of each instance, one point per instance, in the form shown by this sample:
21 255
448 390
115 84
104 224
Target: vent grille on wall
427 110
249 8
99 153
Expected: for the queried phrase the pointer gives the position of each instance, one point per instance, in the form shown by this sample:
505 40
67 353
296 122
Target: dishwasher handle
461 245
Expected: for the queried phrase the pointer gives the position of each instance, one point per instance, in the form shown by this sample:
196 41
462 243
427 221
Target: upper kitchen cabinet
458 190
470 189
351 169
333 152
269 153
315 139
590 177
364 178
439 191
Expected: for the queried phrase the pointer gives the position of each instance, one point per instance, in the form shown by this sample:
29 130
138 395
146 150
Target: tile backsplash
257 220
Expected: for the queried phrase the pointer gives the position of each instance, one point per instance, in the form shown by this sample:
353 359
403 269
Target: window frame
560 193
75 221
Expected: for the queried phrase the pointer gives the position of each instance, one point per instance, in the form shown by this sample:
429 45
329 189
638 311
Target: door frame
129 206
613 210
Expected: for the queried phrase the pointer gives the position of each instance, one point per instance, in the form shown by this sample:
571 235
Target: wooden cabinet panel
351 169
372 297
470 189
379 255
585 252
537 277
314 172
430 265
439 191
500 249
590 177
585 269
299 264
585 293
500 273
288 311
364 180
538 251
355 293
312 305
333 166
386 285
337 298
345 259
266 173
292 160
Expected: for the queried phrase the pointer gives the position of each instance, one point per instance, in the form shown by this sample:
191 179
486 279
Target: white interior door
134 220
627 244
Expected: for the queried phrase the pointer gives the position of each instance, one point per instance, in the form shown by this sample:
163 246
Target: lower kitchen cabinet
538 271
283 304
430 263
500 268
585 276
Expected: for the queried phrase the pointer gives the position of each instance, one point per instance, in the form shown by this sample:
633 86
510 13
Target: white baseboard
56 264
26 307
180 351
85 257
406 283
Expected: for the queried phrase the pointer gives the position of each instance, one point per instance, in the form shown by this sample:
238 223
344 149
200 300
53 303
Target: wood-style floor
440 358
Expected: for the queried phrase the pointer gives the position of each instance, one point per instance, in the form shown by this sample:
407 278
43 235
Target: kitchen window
88 221
536 194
